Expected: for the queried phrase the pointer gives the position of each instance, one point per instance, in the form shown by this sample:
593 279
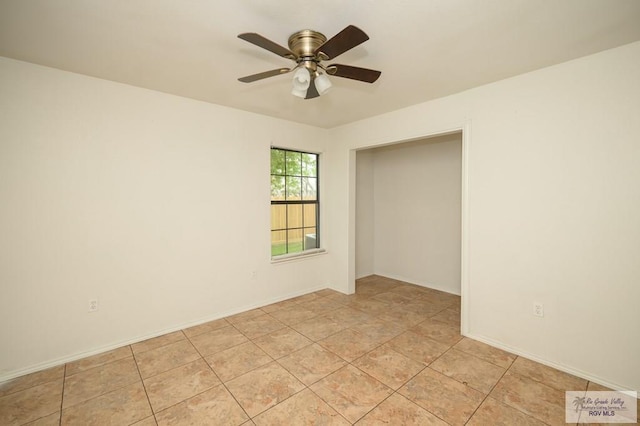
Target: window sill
298 256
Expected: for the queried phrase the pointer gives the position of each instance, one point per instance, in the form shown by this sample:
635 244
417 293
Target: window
295 203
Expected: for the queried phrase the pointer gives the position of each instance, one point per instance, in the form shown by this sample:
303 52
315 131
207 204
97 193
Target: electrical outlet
93 305
538 309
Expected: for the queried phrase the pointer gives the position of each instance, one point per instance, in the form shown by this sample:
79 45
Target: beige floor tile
398 410
326 292
149 421
243 316
318 328
123 406
488 353
218 340
492 412
311 363
449 317
237 360
213 407
543 402
417 347
406 318
206 327
173 386
339 299
305 298
31 380
165 358
388 366
595 387
98 381
448 399
348 316
351 392
50 420
392 297
378 285
97 360
438 331
293 315
282 342
279 305
435 296
369 306
412 291
426 308
31 404
378 330
264 387
303 408
157 342
547 375
468 370
259 326
320 305
348 344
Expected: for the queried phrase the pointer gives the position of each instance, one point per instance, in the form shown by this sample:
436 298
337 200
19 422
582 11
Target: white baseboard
79 355
570 370
433 286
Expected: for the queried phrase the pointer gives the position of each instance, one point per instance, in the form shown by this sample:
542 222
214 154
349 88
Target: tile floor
389 354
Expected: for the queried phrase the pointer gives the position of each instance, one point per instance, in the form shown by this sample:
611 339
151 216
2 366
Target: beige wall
414 190
550 209
365 214
156 205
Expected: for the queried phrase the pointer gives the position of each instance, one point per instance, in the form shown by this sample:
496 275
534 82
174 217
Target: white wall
416 208
156 205
553 206
365 214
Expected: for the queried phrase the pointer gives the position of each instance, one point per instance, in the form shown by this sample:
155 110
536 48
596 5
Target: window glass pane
294 216
310 214
310 240
293 188
278 243
309 188
278 216
293 160
294 179
295 240
277 162
309 165
277 187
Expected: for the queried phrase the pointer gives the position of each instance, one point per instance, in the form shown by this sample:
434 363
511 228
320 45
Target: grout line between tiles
135 361
64 379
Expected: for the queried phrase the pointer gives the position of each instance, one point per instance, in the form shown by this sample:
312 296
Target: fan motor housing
304 43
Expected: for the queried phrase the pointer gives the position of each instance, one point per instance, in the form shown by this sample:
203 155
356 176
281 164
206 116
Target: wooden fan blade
345 40
261 75
312 92
267 44
354 73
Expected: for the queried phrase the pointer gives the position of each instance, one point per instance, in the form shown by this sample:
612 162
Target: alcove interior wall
408 206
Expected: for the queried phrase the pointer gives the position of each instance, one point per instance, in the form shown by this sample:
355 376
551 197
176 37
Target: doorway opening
410 212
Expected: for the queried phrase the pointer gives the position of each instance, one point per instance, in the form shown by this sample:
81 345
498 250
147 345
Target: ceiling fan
308 48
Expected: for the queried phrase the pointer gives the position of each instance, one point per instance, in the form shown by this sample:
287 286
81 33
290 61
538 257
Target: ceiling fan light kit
308 49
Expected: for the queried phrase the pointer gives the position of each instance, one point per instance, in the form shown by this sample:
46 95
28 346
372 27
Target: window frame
302 202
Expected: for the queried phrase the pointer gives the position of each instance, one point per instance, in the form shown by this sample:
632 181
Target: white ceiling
425 48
